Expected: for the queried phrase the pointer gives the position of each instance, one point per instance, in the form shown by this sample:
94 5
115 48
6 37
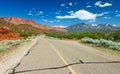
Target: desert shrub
102 43
24 35
3 46
6 44
115 47
87 40
15 42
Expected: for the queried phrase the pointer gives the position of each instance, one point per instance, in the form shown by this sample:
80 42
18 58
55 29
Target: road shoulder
12 59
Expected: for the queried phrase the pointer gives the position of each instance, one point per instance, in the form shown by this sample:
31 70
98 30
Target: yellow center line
65 62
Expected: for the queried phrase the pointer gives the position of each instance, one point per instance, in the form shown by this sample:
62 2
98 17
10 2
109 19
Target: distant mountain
82 27
43 28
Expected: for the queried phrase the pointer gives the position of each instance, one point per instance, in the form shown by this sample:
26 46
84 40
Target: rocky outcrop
7 34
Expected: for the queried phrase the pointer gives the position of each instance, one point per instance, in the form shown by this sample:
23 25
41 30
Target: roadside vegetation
102 43
109 40
113 36
4 45
7 46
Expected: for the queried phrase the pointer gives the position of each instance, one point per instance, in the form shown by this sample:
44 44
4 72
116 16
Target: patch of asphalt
31 49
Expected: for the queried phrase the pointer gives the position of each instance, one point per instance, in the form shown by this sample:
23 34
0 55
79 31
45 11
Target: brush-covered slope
44 28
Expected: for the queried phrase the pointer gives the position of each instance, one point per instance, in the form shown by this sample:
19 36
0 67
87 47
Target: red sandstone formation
44 28
7 34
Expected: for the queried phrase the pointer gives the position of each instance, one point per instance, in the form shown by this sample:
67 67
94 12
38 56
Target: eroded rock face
7 34
19 21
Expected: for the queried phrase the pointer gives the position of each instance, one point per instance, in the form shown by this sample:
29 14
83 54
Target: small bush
24 35
3 46
87 40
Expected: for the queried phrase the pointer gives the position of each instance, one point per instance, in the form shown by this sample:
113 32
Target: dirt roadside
13 58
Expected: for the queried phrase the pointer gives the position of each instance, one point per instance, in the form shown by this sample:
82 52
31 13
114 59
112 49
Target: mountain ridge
83 27
18 21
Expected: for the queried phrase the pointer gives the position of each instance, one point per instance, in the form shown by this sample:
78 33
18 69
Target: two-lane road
52 56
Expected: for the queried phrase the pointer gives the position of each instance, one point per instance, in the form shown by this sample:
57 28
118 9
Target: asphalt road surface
53 56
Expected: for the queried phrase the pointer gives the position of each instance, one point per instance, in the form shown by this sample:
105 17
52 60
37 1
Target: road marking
65 62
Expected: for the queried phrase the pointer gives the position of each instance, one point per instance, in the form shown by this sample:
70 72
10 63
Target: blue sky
63 12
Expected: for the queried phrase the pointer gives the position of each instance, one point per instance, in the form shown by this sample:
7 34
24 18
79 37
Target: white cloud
101 4
61 26
34 12
118 15
70 12
107 12
51 21
114 25
117 11
57 20
62 5
30 14
40 12
80 14
65 17
107 17
88 6
70 4
103 13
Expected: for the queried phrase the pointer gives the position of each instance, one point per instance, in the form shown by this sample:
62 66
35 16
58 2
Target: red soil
7 34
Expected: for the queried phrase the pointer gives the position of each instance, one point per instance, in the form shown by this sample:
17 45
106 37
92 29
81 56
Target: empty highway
53 56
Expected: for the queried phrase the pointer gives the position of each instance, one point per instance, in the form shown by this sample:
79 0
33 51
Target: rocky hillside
18 21
22 29
7 34
82 27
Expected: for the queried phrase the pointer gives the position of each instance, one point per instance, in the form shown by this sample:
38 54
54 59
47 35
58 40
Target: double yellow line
65 62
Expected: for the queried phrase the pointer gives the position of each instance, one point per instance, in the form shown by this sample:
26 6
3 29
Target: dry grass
11 49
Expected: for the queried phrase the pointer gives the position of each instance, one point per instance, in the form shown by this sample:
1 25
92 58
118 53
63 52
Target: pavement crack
27 53
31 49
81 61
14 69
